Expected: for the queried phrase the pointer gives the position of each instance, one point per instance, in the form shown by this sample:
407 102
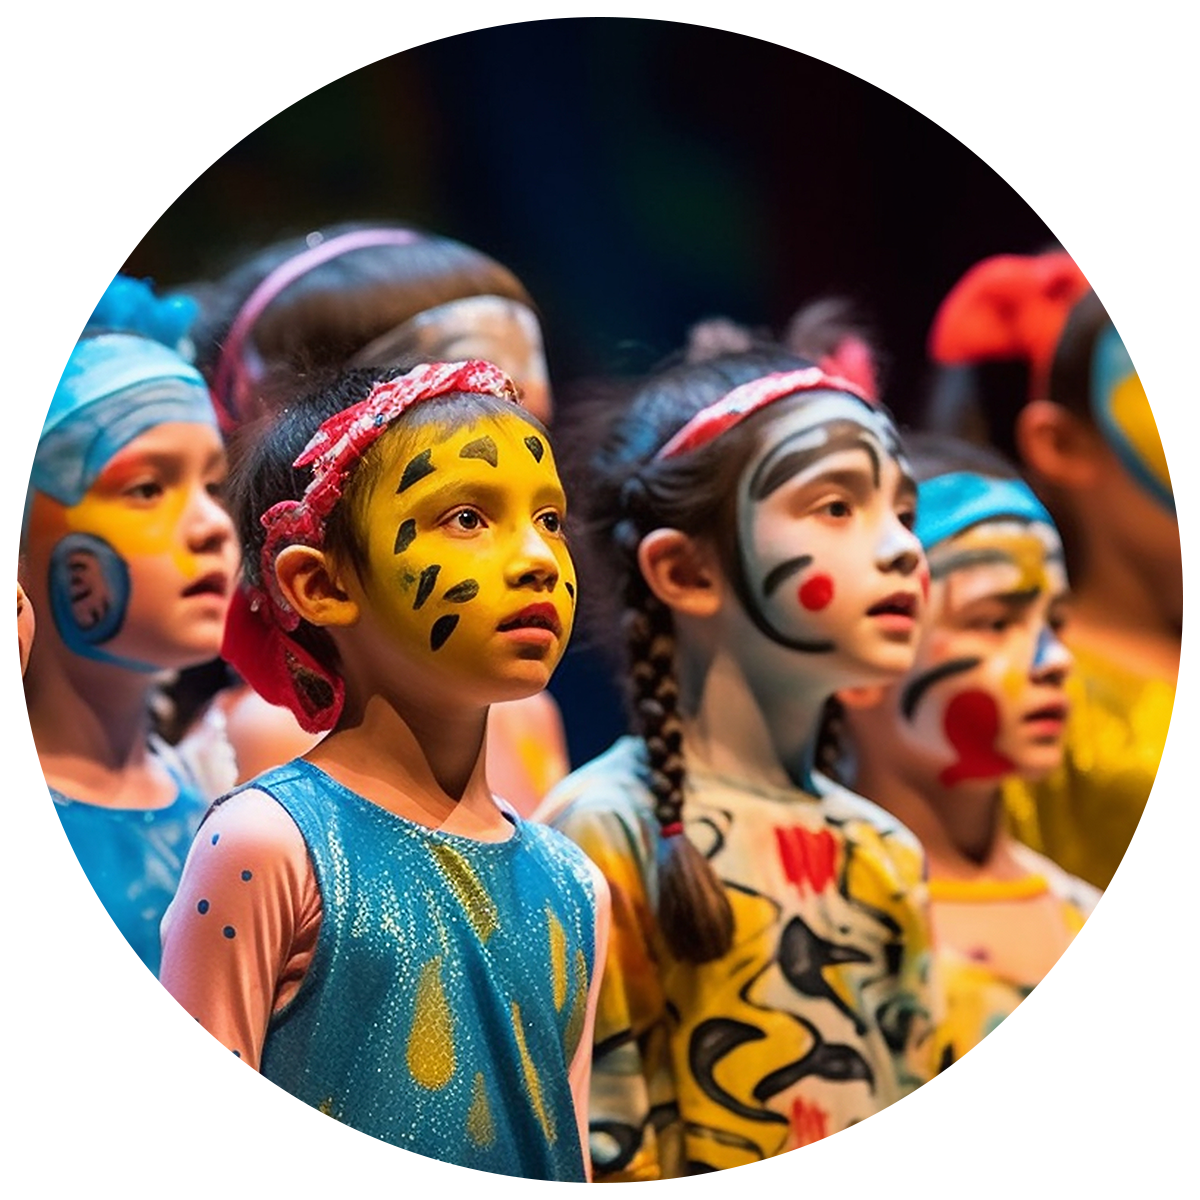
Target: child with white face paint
368 925
129 558
985 701
767 982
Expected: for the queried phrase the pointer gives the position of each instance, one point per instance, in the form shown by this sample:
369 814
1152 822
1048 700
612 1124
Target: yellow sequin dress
1084 814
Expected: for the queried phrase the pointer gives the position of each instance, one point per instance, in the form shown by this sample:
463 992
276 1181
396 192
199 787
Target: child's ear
1058 446
681 571
861 697
311 585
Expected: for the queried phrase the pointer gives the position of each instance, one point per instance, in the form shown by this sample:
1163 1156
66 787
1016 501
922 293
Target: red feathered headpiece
1011 306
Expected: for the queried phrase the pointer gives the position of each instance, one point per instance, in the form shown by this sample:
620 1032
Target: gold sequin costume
1083 815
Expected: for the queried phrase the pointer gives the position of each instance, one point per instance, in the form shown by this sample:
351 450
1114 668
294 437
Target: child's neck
423 764
729 730
960 828
91 724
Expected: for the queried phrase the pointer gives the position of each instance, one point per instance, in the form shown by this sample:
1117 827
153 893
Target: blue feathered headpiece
78 293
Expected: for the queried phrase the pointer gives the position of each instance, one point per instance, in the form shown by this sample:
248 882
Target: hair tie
674 829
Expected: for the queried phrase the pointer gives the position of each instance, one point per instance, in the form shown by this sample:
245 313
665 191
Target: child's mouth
215 583
534 616
899 606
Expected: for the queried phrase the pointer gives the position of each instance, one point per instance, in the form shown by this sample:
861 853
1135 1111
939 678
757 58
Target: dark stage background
637 176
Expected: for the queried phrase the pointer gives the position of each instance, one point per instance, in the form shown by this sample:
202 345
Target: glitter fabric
443 1005
120 868
1123 813
822 1013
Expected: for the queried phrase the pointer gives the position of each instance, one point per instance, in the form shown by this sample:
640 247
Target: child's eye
838 509
552 523
907 517
146 490
467 520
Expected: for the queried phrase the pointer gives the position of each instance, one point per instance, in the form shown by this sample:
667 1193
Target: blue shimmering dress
449 986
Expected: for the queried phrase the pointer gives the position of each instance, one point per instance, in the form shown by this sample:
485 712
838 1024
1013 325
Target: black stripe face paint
483 448
443 627
916 688
404 536
460 593
780 574
799 452
418 467
426 585
536 447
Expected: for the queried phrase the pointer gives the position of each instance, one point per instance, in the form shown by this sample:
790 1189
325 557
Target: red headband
257 632
1011 306
748 398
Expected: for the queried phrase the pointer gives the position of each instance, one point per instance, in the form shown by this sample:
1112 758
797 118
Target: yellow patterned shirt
1084 814
819 1016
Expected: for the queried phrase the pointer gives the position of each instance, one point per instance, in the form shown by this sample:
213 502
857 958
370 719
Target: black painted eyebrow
778 574
783 464
912 694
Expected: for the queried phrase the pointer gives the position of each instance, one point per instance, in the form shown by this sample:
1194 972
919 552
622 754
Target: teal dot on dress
202 907
229 931
247 876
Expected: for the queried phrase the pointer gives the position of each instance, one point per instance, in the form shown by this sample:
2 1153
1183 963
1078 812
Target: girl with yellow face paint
985 701
368 925
129 557
373 295
1031 363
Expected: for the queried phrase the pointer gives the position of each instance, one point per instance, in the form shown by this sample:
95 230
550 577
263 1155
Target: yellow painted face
1157 412
141 570
468 568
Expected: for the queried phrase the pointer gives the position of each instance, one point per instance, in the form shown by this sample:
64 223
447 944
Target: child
300 311
766 983
1033 365
986 700
129 558
40 1151
366 925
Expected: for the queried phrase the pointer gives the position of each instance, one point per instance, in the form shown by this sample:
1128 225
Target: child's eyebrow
456 490
987 556
783 464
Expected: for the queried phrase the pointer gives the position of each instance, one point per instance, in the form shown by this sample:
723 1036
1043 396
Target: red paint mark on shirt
809 859
816 593
972 722
809 1123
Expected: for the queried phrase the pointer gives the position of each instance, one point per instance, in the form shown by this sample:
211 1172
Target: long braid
693 910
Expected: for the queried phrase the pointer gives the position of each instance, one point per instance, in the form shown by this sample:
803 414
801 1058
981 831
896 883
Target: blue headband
949 504
115 387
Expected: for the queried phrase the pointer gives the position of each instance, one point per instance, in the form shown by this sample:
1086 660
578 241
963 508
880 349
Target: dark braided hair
625 494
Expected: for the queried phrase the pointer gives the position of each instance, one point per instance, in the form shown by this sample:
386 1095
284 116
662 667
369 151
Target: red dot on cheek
816 593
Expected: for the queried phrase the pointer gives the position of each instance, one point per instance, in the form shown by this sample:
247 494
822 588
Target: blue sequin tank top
448 989
120 868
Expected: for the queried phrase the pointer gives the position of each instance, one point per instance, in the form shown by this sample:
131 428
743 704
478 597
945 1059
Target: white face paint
831 569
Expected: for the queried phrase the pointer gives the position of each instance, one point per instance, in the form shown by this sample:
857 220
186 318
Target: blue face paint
89 597
1145 413
947 505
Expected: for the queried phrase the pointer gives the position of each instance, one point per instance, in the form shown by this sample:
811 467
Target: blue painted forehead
947 505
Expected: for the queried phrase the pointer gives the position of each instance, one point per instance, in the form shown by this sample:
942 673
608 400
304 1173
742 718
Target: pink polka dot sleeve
242 928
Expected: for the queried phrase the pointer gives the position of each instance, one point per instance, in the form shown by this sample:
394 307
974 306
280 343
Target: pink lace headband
233 375
746 399
258 641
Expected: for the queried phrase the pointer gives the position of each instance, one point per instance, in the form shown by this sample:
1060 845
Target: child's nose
1051 659
209 526
533 563
898 550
